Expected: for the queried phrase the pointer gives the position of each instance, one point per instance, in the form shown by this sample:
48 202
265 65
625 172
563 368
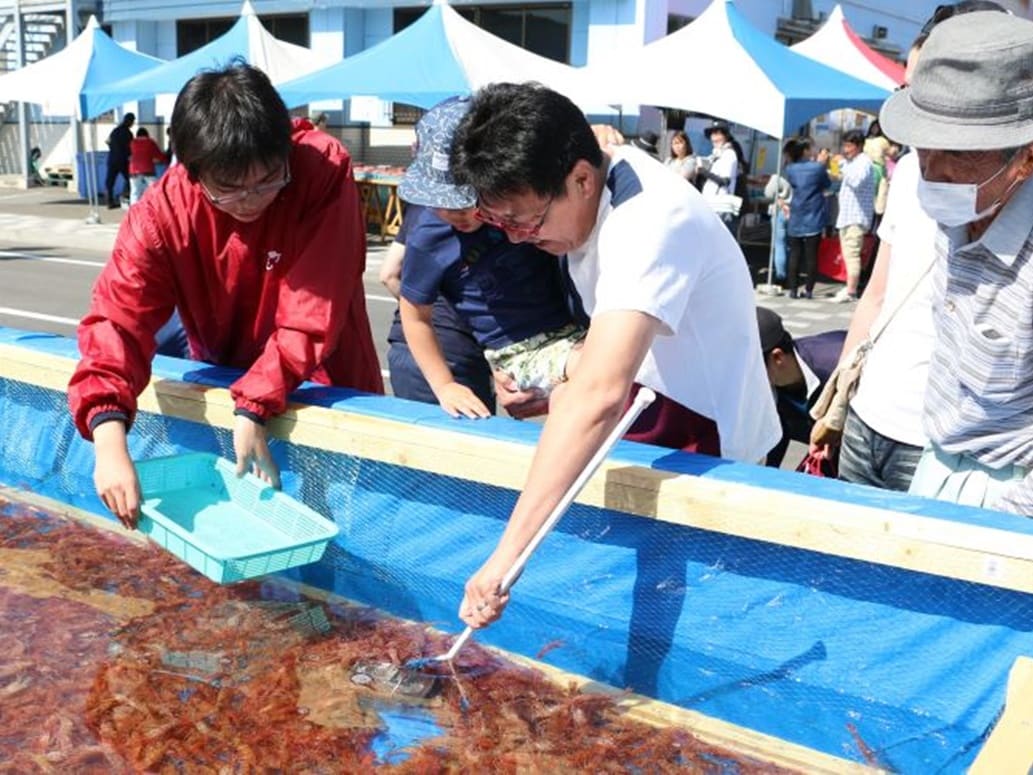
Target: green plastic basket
227 527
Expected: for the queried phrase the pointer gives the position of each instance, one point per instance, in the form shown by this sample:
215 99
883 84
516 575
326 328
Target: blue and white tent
59 82
247 39
439 55
723 66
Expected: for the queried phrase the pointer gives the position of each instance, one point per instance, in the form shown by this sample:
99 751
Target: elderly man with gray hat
969 115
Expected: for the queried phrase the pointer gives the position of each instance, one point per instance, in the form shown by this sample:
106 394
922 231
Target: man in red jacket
256 237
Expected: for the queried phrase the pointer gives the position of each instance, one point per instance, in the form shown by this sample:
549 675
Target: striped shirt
979 399
856 193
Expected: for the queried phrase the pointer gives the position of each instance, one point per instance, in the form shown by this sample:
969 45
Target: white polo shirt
658 248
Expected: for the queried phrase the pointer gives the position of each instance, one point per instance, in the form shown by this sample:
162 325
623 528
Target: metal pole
23 122
75 121
90 170
770 288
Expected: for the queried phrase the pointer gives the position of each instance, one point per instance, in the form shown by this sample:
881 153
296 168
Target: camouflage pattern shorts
539 361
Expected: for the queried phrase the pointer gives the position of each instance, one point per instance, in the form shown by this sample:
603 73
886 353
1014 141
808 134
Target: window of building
541 29
676 21
191 34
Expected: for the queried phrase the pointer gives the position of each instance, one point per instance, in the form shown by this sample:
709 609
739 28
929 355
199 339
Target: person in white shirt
682 160
669 297
720 171
883 435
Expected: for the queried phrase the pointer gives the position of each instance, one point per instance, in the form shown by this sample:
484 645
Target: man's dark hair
795 148
128 119
854 137
949 10
226 121
521 137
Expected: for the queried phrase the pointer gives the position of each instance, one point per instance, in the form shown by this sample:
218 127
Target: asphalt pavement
53 246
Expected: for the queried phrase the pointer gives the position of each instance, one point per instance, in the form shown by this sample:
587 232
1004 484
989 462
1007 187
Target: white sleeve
637 266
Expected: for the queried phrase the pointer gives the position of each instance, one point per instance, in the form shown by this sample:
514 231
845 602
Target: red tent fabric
837 45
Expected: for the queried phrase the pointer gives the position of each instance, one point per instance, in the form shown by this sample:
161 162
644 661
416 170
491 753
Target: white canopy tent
722 66
440 55
58 82
246 39
837 45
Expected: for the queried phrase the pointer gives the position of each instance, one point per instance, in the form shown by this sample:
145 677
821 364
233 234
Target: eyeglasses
243 193
522 231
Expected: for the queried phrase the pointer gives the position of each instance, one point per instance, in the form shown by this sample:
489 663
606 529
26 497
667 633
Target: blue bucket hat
427 181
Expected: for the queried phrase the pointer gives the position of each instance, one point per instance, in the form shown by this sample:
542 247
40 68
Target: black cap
772 332
718 126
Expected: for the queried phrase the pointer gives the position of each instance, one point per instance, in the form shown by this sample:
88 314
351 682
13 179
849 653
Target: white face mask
954 204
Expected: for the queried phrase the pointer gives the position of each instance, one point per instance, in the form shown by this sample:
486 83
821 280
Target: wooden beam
1009 751
928 544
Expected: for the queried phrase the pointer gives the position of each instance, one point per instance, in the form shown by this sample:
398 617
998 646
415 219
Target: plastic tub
226 527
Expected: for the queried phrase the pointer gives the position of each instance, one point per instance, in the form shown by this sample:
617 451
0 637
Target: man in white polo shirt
665 285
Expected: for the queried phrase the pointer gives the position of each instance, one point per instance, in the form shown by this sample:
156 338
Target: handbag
834 399
815 464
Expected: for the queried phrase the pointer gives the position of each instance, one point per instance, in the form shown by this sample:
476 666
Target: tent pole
769 288
23 120
90 169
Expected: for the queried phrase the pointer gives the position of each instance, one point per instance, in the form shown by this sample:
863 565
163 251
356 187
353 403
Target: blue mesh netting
896 668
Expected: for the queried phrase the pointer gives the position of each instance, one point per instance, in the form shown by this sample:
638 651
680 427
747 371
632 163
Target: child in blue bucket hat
516 299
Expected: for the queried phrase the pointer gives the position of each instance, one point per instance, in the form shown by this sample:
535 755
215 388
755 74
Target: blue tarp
871 663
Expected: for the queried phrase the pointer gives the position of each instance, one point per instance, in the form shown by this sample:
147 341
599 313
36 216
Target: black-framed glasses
522 231
240 194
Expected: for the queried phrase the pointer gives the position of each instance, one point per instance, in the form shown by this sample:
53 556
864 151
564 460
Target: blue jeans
868 457
778 234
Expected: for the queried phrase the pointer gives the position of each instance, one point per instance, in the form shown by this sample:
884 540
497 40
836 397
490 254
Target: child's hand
458 400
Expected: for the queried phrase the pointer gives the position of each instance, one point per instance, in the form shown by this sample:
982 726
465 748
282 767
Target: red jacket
143 153
281 297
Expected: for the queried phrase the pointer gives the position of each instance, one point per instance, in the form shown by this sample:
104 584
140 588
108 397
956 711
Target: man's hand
519 403
459 400
114 475
824 439
482 604
607 136
252 451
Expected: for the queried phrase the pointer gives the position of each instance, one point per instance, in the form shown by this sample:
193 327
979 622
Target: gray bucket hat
427 181
972 89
